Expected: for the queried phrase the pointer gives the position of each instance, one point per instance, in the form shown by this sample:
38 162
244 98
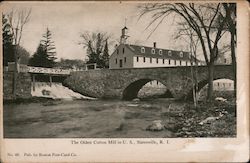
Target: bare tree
17 20
201 18
94 44
230 16
228 12
188 35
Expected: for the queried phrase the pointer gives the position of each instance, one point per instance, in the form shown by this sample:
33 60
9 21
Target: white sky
67 20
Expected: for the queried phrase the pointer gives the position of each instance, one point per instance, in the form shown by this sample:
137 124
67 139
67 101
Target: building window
163 61
160 52
125 59
156 60
157 82
169 53
169 62
142 50
153 51
120 63
116 61
137 59
180 62
181 54
174 62
117 51
144 59
186 63
123 50
150 60
225 60
218 84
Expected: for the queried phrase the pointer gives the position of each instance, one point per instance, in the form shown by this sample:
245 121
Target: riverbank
216 119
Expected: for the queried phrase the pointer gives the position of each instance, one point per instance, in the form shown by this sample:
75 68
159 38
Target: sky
67 20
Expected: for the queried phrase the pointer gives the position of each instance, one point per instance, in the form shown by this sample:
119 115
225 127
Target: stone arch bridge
125 83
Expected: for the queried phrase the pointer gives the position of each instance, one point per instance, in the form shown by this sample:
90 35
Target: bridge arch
131 90
203 83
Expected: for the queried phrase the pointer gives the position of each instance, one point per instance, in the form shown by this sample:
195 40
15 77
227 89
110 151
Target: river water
88 118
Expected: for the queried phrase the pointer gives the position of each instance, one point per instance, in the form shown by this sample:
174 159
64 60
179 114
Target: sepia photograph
126 70
124 81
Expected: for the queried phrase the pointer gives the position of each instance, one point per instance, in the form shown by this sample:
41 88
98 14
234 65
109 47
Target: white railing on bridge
40 70
43 70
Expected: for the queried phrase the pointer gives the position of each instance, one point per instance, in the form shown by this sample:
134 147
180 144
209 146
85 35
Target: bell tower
124 35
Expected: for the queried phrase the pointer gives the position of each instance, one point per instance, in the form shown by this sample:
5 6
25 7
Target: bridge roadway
126 83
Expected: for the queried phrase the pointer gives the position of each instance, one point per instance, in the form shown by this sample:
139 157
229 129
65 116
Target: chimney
154 45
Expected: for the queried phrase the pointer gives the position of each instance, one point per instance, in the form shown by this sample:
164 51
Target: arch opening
222 87
145 88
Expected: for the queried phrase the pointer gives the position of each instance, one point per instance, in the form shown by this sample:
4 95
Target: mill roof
175 55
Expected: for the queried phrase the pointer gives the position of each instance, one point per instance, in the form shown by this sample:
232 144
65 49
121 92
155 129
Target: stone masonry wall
115 83
23 85
90 83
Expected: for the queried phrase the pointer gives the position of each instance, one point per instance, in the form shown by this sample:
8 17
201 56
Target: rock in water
155 126
220 99
136 100
120 128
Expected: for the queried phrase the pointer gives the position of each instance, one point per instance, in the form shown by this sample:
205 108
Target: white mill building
135 56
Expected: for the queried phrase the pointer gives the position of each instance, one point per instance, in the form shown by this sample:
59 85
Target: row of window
181 63
224 84
163 61
157 61
160 52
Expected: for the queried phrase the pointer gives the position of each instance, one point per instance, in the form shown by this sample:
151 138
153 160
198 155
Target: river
88 118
